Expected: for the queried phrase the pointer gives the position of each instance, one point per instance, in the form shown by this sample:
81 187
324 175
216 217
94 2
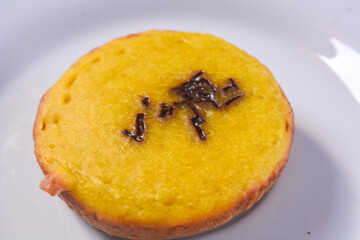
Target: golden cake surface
172 177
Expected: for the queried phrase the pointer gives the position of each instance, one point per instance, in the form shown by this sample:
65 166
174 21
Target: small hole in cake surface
55 119
120 51
52 146
66 98
71 80
43 124
96 59
169 201
107 181
183 40
286 125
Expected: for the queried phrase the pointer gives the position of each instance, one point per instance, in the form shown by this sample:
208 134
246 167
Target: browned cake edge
133 230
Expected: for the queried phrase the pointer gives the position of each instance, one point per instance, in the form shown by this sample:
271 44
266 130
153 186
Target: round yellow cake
165 181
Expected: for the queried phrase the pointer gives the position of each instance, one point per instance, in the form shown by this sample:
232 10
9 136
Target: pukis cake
163 134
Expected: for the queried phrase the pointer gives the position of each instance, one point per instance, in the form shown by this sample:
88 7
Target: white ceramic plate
311 48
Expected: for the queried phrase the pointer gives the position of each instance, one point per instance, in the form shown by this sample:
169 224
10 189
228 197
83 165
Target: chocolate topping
166 110
197 120
139 127
198 90
231 85
228 102
146 101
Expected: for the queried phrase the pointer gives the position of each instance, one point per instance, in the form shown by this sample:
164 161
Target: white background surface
312 48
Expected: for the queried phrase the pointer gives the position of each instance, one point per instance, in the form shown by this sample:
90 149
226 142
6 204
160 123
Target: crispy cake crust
54 185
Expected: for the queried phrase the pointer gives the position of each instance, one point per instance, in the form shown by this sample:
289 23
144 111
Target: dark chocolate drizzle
140 128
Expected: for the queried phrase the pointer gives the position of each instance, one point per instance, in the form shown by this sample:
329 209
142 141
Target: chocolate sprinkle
199 90
231 85
146 101
140 128
166 110
197 120
196 91
228 102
